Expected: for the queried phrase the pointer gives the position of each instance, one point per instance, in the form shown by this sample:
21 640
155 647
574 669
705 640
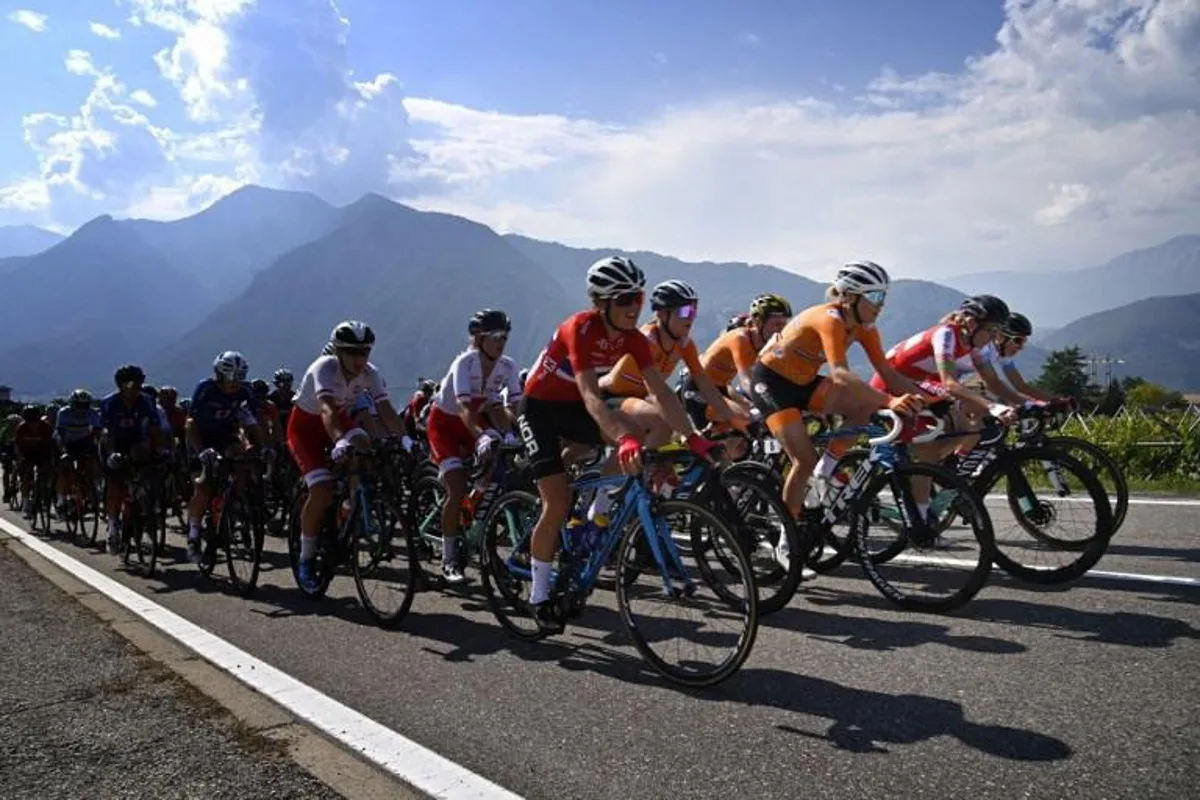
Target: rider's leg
454 478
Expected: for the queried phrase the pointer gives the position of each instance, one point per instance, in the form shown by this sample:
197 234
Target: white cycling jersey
324 380
464 383
990 354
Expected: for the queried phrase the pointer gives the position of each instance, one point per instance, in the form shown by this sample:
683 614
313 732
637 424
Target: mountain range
269 273
25 240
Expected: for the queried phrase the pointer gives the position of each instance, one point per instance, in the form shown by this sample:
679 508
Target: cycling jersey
282 401
990 354
217 415
733 352
817 335
464 383
75 426
125 423
918 356
30 436
579 344
324 380
627 380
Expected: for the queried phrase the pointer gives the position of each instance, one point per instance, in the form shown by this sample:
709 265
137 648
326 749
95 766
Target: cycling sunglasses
627 299
362 352
686 312
876 297
498 336
1018 340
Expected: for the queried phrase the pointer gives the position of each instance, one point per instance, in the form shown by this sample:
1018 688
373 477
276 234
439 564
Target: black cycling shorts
772 393
546 425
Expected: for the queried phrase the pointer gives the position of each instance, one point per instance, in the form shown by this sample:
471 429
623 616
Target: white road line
1133 501
1131 577
417 765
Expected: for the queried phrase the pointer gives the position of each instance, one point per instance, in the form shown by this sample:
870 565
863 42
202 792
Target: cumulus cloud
79 62
104 31
1076 137
30 19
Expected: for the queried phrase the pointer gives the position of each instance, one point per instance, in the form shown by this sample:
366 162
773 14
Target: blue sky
945 136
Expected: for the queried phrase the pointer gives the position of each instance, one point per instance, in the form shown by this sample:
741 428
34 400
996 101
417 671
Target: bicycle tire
777 586
250 514
716 526
1109 466
423 488
975 514
1090 551
380 550
504 589
326 566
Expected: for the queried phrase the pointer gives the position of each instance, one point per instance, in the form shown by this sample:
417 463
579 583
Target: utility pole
1096 362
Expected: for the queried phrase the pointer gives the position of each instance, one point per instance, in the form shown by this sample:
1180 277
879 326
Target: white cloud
30 19
104 31
142 97
1076 137
749 39
79 62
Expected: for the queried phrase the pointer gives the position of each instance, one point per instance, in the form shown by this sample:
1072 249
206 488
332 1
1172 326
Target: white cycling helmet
352 333
861 276
231 365
613 276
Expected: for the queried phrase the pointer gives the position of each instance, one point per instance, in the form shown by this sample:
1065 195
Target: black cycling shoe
547 619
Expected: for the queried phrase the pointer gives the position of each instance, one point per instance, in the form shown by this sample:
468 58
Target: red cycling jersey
582 343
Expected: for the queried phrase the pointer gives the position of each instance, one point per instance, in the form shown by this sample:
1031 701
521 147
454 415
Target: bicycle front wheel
927 565
1105 467
384 572
695 621
242 537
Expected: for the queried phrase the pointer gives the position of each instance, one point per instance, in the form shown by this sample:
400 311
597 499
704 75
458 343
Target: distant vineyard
1153 449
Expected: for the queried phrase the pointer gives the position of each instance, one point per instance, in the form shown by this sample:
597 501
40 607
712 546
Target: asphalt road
1087 691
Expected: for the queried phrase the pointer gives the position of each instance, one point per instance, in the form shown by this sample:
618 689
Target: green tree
1113 399
1064 373
1151 395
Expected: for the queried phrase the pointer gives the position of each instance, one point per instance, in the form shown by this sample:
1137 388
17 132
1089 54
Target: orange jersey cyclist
564 404
675 304
785 382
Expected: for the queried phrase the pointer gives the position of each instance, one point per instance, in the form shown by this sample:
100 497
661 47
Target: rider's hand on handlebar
629 454
906 404
701 446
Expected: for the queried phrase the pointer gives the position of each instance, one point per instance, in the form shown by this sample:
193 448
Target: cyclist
168 401
283 395
221 406
8 454
1001 353
669 335
164 421
471 412
564 403
268 412
414 412
130 434
320 426
785 381
727 361
33 441
76 432
940 357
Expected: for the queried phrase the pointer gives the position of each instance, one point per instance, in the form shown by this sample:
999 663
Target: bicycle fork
658 536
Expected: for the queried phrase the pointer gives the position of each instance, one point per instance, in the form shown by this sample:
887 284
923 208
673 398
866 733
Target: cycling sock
600 505
308 547
193 528
540 592
923 510
826 465
450 549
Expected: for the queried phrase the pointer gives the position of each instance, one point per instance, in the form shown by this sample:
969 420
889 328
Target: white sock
308 547
826 465
541 581
923 510
193 529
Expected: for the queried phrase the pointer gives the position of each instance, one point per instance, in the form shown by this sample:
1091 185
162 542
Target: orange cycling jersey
627 380
813 337
733 352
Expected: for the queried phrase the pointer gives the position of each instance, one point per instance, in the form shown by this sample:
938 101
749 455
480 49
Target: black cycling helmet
988 309
428 387
80 397
31 413
740 321
1017 325
352 334
127 373
489 320
260 386
671 295
283 376
150 392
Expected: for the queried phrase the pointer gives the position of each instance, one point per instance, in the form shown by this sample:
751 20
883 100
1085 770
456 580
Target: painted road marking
412 763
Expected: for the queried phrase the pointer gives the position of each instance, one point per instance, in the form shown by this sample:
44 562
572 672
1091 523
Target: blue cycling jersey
74 425
217 414
124 423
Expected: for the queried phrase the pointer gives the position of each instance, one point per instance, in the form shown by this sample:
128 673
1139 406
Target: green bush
1138 442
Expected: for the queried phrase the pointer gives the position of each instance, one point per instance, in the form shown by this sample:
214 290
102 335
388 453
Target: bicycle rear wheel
504 561
923 567
719 612
242 535
1104 466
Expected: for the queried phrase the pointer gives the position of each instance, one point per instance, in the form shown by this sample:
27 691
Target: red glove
629 450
